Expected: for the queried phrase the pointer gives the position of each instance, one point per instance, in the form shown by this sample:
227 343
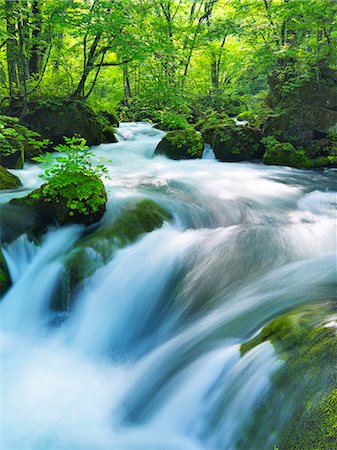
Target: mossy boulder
96 249
303 390
5 280
181 144
233 143
285 154
83 200
8 180
55 119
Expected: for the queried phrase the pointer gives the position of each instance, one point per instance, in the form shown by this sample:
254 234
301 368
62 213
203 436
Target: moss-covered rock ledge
96 249
302 400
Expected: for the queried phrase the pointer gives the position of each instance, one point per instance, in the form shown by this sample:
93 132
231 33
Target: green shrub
72 178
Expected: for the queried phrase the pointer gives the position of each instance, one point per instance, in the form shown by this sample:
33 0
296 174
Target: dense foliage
148 57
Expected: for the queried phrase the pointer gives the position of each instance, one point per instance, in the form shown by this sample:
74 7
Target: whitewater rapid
148 357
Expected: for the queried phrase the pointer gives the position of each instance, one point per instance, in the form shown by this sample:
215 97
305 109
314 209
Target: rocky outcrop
308 114
303 390
55 119
233 143
8 180
181 144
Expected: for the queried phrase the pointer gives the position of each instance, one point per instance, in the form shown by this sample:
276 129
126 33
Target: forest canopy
142 56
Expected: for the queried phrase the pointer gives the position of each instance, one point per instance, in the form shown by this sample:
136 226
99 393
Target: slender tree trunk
88 66
35 61
11 48
127 84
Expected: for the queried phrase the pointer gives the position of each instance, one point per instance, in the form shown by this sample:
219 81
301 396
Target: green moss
141 217
285 154
303 390
5 280
186 144
8 180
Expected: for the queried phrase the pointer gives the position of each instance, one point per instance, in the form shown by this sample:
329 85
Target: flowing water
148 355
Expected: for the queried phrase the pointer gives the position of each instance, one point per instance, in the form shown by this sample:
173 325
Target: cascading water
148 356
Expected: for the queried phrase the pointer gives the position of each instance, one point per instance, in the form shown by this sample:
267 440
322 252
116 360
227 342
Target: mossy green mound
82 200
92 251
233 143
8 180
182 144
301 403
285 154
5 281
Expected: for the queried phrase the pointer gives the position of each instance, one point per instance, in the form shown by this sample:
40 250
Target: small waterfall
26 303
128 294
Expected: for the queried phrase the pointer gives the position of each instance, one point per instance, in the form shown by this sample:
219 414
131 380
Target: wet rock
181 144
96 249
233 143
303 390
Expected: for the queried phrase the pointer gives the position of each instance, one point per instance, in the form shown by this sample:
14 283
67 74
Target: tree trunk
11 48
127 84
36 48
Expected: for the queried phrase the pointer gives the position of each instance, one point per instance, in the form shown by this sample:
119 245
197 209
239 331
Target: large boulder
303 390
233 143
308 113
181 144
82 200
56 119
8 180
